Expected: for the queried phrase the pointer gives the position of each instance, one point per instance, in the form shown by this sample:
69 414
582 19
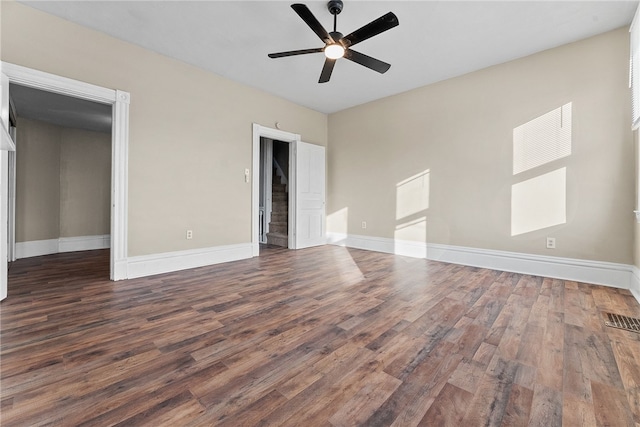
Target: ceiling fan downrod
335 7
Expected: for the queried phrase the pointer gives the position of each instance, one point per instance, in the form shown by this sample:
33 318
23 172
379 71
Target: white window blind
634 71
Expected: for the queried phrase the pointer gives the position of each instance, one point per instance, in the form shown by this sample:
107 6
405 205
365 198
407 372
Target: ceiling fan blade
306 15
380 25
326 70
295 52
367 61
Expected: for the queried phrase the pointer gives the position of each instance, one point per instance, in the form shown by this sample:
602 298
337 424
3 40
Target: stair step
279 217
278 239
278 227
281 189
279 206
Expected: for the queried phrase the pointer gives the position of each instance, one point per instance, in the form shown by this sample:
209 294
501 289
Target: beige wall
37 181
85 183
190 130
459 133
63 182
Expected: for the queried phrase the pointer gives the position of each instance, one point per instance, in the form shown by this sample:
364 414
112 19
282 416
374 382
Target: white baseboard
635 283
379 244
147 265
36 248
63 244
119 269
84 243
595 272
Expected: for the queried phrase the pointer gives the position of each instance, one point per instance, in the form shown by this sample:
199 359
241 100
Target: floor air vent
622 322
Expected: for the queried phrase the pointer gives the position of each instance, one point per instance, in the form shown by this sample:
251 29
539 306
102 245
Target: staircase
278 227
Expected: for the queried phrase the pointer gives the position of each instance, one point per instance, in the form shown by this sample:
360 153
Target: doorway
274 193
119 101
263 181
60 177
305 189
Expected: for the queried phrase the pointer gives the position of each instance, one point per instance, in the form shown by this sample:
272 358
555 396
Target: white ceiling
435 40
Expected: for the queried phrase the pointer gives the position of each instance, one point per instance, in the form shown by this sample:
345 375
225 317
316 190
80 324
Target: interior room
331 213
62 175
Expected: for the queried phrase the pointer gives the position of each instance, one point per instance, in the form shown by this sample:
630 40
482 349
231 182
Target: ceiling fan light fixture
334 51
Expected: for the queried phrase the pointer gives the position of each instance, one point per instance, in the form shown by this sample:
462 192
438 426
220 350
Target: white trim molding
259 131
596 272
84 243
63 244
635 283
379 244
148 265
119 185
586 271
6 142
36 248
53 83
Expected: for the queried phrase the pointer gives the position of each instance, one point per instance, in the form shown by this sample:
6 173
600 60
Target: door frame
292 139
11 194
266 162
119 100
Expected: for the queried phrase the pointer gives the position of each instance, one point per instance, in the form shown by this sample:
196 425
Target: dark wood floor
316 337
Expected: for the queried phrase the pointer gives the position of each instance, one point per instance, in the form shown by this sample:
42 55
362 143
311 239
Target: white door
310 195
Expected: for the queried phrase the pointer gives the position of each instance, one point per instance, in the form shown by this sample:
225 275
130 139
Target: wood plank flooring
325 336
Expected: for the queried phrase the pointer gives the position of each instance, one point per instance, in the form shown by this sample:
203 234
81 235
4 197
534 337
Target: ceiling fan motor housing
335 6
337 36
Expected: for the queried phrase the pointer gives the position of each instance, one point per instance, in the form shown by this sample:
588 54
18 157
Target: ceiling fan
338 46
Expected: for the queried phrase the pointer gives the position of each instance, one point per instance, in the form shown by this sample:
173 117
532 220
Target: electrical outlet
364 224
189 234
551 242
